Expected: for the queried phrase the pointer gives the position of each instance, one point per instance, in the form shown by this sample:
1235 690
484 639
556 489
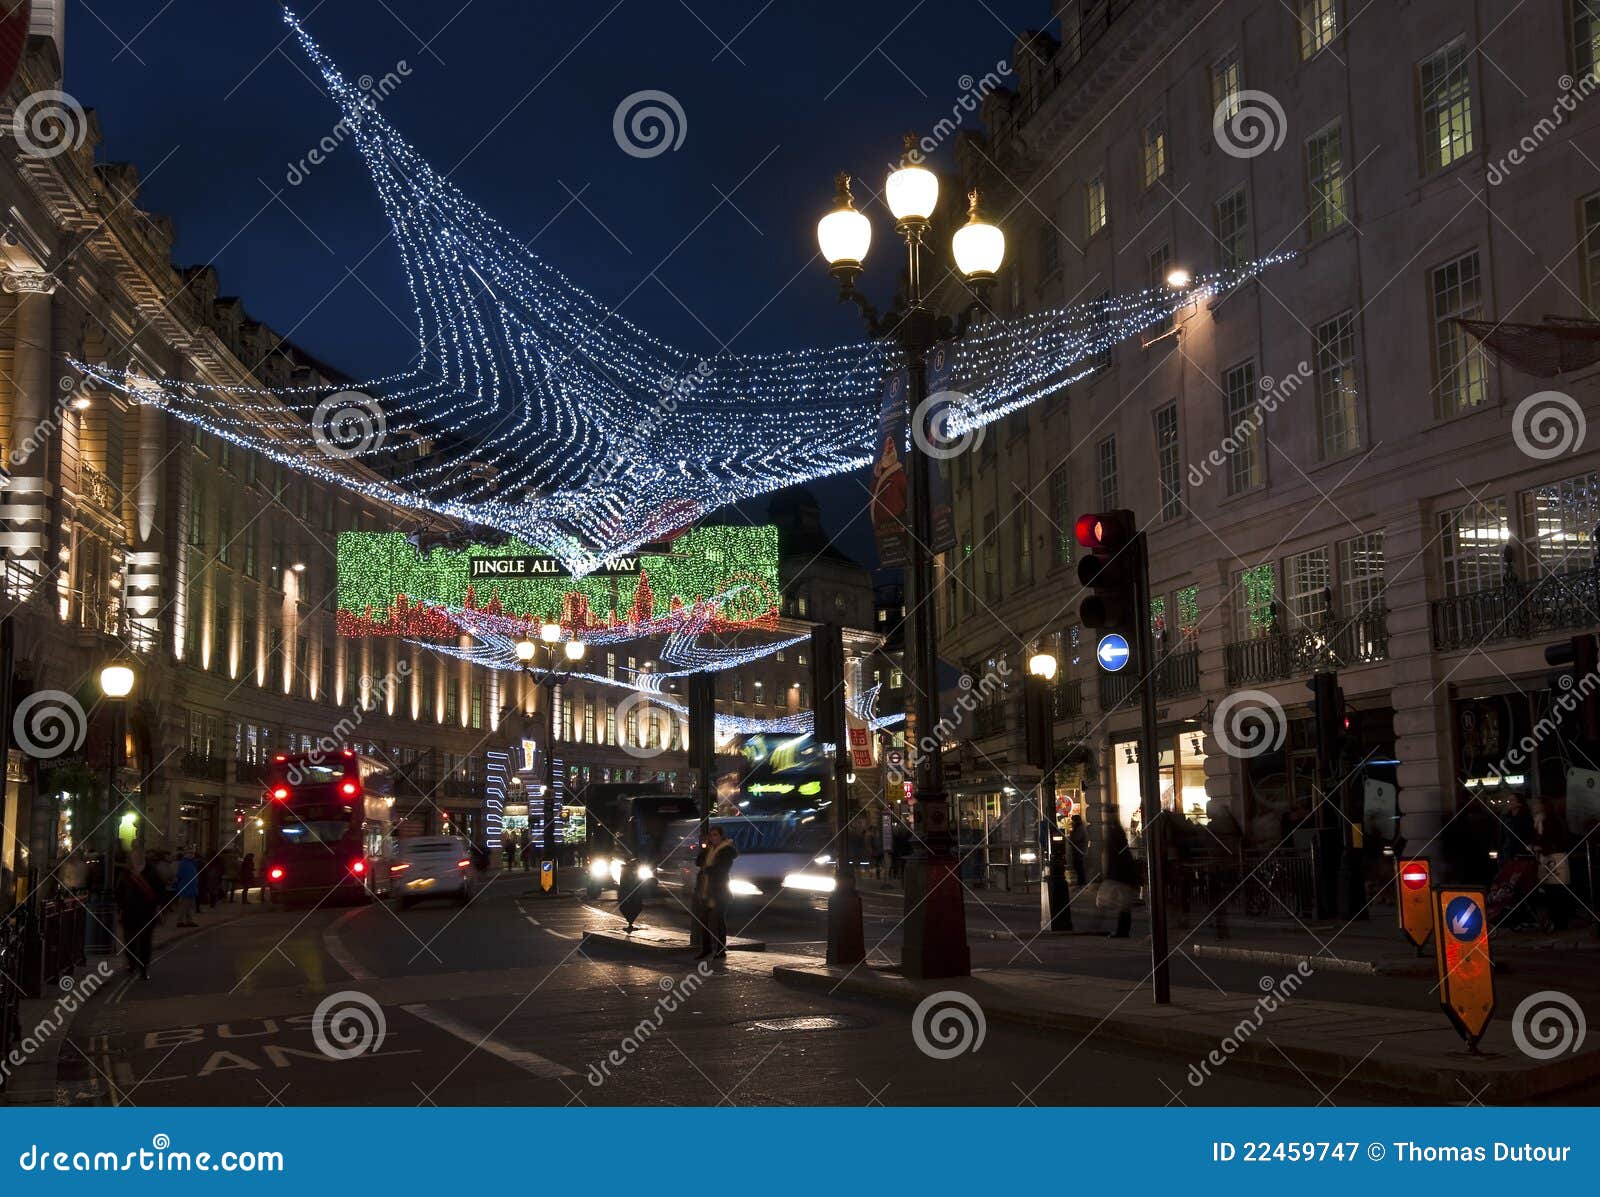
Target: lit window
1233 230
1169 468
1243 423
1155 151
1255 601
1106 461
1472 543
1326 183
1589 220
1458 364
1361 575
1319 25
1586 39
1307 580
1337 417
1225 85
1095 194
1446 93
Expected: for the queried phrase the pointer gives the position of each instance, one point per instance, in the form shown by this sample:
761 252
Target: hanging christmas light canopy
535 409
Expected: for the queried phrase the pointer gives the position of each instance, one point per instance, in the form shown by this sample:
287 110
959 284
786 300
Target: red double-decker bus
328 827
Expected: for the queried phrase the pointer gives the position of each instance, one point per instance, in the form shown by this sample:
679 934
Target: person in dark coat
1122 869
715 860
1516 830
1078 850
247 876
138 895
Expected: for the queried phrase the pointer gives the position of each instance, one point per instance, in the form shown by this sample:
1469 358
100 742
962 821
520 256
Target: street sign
1461 948
1414 901
1112 652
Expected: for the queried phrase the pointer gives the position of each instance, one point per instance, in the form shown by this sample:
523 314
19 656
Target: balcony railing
202 767
1336 644
1177 674
250 772
1518 610
989 719
1066 698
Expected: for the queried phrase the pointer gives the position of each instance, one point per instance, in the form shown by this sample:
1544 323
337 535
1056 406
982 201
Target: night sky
515 98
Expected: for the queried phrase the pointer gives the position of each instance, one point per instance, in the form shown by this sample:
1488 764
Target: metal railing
1517 610
202 767
1279 884
250 772
1278 656
1066 698
1175 675
11 939
990 719
50 944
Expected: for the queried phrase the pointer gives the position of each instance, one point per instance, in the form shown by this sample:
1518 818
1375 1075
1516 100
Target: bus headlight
646 873
743 888
816 882
599 867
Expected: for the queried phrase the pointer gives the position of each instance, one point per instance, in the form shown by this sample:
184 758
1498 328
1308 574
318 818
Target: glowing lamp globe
1042 665
550 632
912 193
116 681
574 650
525 650
844 235
979 246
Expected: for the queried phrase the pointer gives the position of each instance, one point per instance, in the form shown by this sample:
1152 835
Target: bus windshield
325 823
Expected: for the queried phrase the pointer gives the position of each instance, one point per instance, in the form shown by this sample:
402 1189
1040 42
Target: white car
430 866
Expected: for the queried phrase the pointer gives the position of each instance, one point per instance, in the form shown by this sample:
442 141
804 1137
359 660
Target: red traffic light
1106 530
1414 874
280 793
275 873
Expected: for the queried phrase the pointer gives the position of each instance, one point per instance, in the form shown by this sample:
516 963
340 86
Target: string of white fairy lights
534 409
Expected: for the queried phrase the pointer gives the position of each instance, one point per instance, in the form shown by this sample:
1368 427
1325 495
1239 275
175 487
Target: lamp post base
846 942
935 928
1055 904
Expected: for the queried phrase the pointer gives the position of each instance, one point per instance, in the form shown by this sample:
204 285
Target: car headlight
599 867
824 859
743 888
645 872
616 871
816 882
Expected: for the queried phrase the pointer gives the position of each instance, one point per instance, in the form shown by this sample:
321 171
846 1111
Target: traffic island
658 940
1411 1056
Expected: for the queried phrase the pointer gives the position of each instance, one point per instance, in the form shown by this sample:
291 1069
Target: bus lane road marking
529 1062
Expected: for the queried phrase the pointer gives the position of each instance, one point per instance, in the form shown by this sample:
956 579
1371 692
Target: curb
1332 964
1399 1078
653 942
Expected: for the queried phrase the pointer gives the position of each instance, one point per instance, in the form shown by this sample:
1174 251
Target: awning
1558 346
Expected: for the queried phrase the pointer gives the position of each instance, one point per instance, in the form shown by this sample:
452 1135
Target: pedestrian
1078 849
186 885
1516 830
1120 886
247 877
139 903
230 872
211 882
901 850
511 851
714 860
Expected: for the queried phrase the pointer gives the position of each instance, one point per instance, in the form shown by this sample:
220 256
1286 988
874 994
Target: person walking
211 882
1078 849
230 873
247 877
139 904
715 860
1121 883
510 846
186 886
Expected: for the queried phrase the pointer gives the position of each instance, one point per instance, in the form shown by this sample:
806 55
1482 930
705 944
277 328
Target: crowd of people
149 885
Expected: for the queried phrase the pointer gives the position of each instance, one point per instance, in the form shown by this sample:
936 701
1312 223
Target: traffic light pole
1155 823
1055 909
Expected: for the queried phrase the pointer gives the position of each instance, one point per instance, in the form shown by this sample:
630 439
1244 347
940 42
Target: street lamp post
548 678
935 941
1055 911
116 683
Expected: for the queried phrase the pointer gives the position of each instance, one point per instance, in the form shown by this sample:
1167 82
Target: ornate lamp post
116 683
935 942
1055 914
561 657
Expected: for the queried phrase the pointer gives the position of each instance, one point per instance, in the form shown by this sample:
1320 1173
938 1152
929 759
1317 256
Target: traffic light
1327 709
1583 654
827 683
1108 571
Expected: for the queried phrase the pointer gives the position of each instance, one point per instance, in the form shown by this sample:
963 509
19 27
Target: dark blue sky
517 96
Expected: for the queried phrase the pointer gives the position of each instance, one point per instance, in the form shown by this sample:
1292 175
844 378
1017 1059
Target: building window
1226 83
1095 195
588 723
1157 266
1586 39
225 533
1154 158
803 695
1306 580
1233 230
1361 575
1106 473
611 725
248 549
1188 602
1169 469
1589 220
991 561
1326 182
1473 540
738 687
1244 418
1458 365
1558 519
1319 25
475 716
1255 601
197 517
760 690
1049 252
1446 92
1061 515
452 700
1338 425
1022 541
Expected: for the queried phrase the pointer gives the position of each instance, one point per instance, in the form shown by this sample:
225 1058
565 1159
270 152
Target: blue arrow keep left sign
1112 652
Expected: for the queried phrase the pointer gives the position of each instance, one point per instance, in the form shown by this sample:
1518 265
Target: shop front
1181 772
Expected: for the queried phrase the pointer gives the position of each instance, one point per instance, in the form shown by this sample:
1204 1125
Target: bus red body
328 826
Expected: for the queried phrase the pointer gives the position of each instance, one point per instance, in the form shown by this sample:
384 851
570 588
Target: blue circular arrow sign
1112 653
1464 917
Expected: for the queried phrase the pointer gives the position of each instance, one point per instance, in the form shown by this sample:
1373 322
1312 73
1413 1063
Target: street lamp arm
876 326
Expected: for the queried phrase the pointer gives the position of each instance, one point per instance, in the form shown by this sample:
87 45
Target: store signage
550 567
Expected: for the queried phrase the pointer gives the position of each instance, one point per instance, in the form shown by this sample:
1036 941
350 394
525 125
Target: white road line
342 956
527 1061
560 934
